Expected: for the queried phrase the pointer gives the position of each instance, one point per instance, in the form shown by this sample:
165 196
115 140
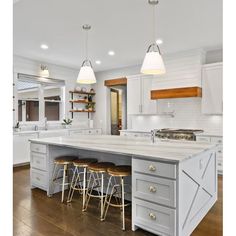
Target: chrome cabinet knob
152 168
152 189
152 216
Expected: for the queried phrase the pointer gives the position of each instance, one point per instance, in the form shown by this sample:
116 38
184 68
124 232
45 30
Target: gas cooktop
184 134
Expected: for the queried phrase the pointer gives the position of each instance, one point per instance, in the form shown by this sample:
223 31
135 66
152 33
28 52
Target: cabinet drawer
36 147
38 178
216 139
203 139
154 168
155 189
38 161
160 219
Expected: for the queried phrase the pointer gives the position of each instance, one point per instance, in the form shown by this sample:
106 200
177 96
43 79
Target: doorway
118 103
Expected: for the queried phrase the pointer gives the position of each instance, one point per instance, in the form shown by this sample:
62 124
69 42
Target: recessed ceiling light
111 53
98 62
44 46
159 41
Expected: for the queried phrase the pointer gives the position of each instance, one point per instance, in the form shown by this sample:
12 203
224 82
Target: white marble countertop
174 151
135 131
210 133
50 130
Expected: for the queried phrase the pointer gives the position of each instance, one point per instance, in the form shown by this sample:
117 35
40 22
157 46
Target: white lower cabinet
156 218
21 148
39 165
219 152
154 196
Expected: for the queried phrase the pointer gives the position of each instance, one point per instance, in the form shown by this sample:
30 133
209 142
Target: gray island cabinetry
174 183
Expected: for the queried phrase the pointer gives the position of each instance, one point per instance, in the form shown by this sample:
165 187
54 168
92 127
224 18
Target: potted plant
89 107
67 122
17 127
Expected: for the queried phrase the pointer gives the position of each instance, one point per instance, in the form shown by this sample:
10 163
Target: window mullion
41 103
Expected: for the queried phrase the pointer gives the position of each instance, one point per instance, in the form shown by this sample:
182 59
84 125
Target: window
39 98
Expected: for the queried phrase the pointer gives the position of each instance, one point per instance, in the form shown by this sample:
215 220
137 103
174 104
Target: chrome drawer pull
219 151
152 168
38 178
152 216
152 189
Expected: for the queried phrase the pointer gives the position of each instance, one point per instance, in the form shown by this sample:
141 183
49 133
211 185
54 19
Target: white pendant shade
86 75
153 64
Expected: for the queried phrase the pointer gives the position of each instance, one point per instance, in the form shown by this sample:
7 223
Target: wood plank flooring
37 215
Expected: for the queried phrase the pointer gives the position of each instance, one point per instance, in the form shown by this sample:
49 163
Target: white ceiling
124 26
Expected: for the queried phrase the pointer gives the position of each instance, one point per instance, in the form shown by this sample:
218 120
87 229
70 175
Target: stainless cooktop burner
184 134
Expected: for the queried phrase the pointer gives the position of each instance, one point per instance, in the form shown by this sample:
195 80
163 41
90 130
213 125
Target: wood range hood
184 92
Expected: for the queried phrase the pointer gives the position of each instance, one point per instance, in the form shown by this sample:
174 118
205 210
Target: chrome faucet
153 132
45 123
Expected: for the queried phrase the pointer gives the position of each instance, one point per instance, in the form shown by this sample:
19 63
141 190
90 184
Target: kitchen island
182 173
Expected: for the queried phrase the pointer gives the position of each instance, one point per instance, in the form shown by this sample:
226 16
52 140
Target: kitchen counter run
176 151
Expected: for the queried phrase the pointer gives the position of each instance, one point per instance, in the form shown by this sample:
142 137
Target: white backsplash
187 115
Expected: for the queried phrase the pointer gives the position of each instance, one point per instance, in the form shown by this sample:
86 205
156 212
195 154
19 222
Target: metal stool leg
106 203
70 194
102 202
52 186
63 182
84 185
123 202
87 197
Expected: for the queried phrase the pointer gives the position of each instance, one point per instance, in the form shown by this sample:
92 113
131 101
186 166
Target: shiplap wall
182 70
187 115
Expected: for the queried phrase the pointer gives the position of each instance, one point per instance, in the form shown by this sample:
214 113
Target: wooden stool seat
100 167
65 160
85 162
119 171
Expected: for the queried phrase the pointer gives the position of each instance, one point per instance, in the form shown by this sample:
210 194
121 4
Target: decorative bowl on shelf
84 89
92 90
78 88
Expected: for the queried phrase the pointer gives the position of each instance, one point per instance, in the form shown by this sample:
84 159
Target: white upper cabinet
139 96
212 89
133 95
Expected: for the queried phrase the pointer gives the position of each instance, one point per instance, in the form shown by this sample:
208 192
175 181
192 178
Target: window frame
42 100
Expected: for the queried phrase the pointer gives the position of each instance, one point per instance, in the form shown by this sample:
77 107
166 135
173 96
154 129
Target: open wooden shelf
81 111
81 92
81 101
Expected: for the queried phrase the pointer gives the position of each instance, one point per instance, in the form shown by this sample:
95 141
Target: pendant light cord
86 45
154 24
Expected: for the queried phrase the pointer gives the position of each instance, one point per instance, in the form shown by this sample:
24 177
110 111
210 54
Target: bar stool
95 170
63 162
120 172
77 180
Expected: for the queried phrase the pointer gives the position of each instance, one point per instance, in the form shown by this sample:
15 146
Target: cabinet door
212 89
134 95
148 106
21 148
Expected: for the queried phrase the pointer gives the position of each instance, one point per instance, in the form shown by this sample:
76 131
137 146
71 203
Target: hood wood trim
176 93
115 82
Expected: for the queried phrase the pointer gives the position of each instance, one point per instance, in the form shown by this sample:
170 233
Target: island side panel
197 190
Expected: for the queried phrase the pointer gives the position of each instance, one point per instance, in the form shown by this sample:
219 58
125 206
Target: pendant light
44 72
86 74
153 63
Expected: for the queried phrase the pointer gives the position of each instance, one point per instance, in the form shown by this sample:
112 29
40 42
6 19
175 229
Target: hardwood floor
37 215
